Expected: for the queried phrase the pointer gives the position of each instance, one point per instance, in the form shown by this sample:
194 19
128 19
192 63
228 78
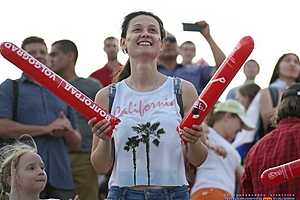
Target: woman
286 73
146 152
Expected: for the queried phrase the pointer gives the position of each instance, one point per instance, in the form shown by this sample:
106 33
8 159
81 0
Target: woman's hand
192 135
101 129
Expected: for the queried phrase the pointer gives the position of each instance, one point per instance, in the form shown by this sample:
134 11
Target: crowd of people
66 156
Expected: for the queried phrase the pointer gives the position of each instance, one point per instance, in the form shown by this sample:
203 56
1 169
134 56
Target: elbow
200 159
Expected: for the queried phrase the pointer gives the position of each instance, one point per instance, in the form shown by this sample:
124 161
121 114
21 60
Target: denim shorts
168 193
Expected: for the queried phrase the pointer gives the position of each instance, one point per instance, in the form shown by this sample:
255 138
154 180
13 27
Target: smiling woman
146 151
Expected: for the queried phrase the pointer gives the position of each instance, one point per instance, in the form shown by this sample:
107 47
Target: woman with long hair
146 153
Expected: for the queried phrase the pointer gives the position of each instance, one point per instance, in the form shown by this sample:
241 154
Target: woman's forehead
144 20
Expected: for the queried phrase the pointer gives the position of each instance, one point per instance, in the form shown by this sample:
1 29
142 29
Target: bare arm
239 172
218 54
12 129
196 150
102 155
59 127
71 136
265 107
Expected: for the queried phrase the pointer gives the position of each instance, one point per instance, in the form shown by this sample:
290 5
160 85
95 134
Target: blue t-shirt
37 106
198 75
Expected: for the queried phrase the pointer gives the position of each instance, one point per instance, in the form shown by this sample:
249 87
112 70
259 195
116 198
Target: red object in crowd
218 83
50 80
282 173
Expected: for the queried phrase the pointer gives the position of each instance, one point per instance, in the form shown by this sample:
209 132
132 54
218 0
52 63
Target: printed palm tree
133 143
146 132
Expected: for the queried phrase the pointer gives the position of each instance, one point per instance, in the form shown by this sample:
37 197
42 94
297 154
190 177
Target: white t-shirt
163 165
216 171
252 114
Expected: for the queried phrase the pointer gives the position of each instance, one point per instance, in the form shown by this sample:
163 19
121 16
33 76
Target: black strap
111 96
178 93
274 96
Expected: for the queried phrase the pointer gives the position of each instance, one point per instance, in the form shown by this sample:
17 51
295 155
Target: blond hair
9 154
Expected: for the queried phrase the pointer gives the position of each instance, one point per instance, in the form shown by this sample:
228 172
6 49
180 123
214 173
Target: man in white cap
216 177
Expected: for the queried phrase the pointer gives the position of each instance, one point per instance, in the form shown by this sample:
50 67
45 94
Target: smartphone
191 27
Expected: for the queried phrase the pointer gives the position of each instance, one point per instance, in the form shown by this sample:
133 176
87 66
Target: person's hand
60 126
205 31
192 135
101 129
65 121
221 151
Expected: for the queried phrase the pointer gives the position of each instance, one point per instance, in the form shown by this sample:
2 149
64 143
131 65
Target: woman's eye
153 30
136 29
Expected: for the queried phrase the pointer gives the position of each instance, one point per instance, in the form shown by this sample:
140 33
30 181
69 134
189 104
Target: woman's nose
145 33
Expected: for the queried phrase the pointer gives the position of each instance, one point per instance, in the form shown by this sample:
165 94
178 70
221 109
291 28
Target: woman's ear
161 46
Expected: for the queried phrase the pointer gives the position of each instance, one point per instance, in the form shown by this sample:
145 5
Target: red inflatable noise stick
218 83
50 80
281 174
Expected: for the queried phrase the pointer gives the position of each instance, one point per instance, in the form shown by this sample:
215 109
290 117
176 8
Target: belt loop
123 192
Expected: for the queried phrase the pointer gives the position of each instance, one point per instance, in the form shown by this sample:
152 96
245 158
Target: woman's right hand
101 129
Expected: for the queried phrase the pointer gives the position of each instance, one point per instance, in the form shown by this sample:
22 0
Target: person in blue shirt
199 75
46 118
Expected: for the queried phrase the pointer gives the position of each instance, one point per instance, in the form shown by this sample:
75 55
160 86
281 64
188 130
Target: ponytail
125 73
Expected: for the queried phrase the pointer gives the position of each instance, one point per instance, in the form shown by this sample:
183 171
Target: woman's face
143 37
289 67
30 173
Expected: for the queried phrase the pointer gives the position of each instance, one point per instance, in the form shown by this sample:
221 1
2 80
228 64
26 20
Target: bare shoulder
188 87
189 94
102 97
265 95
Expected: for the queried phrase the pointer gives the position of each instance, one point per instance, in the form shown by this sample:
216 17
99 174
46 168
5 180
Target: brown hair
10 153
275 74
290 103
249 90
126 70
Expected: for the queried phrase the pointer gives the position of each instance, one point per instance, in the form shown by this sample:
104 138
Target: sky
274 26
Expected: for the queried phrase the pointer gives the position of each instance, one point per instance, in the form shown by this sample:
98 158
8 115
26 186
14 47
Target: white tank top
163 164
